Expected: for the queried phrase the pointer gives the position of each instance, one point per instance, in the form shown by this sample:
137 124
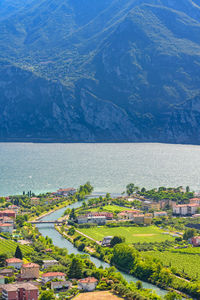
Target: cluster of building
26 288
65 192
7 218
136 216
187 209
99 218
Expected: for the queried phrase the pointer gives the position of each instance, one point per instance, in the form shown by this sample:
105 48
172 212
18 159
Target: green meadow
131 234
110 208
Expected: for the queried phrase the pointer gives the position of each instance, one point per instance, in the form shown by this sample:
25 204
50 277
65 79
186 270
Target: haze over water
109 167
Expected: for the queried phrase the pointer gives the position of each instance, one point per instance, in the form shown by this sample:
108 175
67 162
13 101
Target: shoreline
65 204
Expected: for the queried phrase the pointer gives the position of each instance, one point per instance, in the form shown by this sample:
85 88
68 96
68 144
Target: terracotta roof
15 286
8 211
66 190
140 216
52 274
14 260
6 219
186 205
30 265
5 225
3 271
88 280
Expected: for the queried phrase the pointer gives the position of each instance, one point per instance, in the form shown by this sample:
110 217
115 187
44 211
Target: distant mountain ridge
100 71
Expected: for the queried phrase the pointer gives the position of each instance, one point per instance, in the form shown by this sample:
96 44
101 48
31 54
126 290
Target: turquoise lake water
109 167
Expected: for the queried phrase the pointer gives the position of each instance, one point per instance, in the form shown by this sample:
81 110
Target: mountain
100 71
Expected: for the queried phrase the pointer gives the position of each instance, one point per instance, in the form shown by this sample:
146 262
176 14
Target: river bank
43 215
93 253
60 241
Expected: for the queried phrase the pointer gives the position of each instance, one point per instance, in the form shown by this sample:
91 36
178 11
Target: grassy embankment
56 207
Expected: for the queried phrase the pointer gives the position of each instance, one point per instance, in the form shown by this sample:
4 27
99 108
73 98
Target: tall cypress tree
18 253
75 270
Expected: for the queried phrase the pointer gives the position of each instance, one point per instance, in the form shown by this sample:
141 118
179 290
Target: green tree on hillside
72 215
75 270
131 188
47 295
189 233
172 296
18 253
3 258
117 240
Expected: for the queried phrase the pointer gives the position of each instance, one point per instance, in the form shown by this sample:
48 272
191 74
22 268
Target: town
157 229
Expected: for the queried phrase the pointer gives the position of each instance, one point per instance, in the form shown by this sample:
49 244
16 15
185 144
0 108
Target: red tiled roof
5 225
30 265
14 260
139 216
52 274
66 190
88 280
8 211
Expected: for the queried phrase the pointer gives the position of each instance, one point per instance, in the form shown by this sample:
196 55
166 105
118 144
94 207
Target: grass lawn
105 295
110 208
131 234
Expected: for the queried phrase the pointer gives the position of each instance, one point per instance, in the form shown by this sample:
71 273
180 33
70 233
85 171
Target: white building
185 209
57 285
53 275
14 262
100 220
87 284
160 214
14 207
6 227
66 192
106 241
49 263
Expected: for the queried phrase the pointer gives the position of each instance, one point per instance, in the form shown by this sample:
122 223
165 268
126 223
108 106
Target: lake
109 167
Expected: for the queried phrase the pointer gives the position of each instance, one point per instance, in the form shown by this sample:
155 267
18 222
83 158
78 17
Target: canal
60 241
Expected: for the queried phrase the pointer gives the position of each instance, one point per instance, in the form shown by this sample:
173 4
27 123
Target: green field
187 263
131 234
110 208
8 247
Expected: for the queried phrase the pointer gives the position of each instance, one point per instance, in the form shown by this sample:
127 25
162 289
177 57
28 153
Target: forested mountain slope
109 70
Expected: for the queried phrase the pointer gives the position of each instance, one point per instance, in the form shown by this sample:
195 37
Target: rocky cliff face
100 71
